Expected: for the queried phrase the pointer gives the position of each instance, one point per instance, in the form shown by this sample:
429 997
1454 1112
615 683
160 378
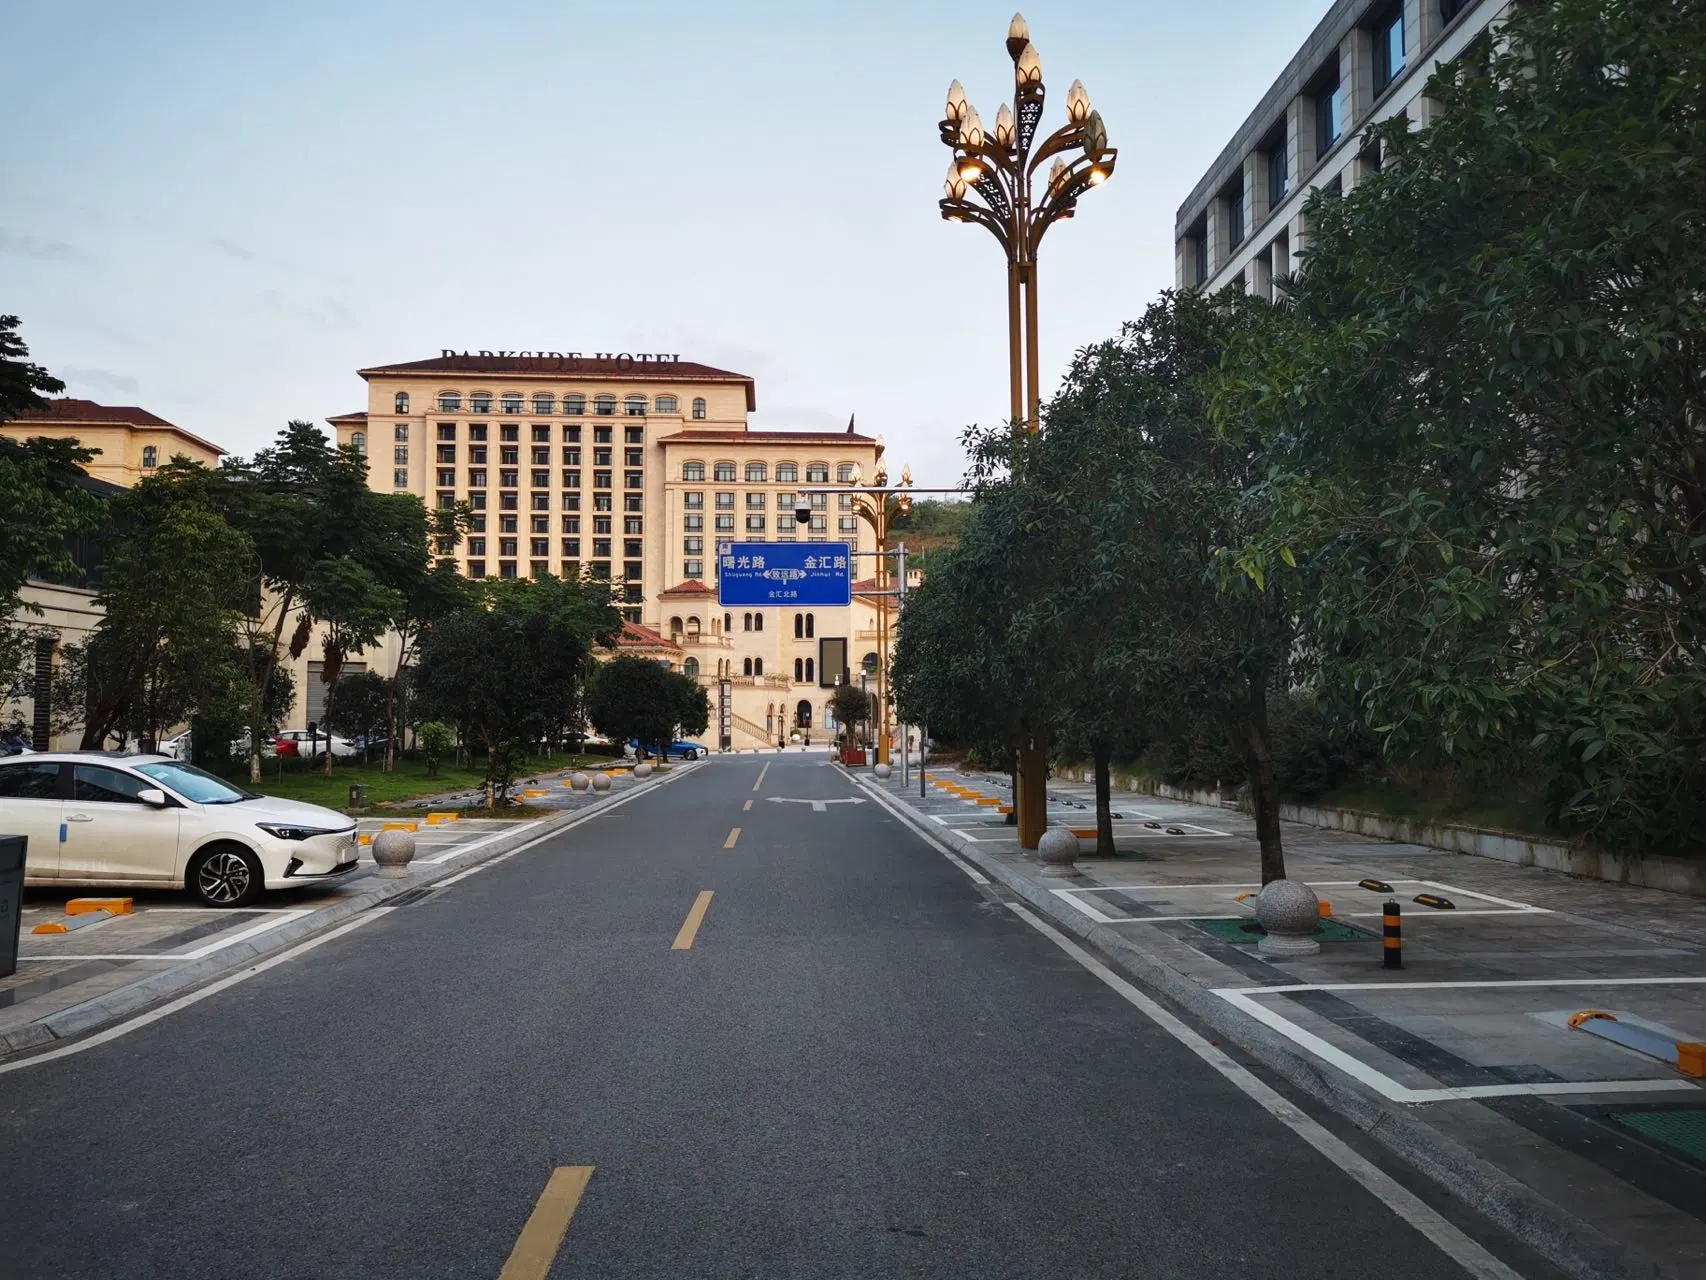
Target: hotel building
1366 62
633 468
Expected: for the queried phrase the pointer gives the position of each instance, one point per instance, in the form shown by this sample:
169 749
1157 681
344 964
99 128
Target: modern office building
1367 61
633 468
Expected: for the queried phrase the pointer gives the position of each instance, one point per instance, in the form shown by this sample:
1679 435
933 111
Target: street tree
362 705
354 609
852 707
639 699
1493 471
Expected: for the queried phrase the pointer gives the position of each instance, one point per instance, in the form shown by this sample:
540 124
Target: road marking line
747 807
695 918
195 997
280 918
1405 1204
536 1248
734 834
761 773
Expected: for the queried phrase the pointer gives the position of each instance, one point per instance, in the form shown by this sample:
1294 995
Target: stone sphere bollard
1058 850
579 782
882 770
393 851
1291 913
643 770
601 782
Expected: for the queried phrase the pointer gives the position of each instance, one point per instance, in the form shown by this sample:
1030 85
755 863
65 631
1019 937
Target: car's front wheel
226 875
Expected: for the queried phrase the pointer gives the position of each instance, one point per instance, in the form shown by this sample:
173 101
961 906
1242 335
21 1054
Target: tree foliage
637 698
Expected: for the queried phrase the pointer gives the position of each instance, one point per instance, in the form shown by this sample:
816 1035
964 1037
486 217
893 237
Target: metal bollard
1392 929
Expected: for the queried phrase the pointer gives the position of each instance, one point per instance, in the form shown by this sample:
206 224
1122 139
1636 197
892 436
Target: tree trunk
1103 756
1033 787
1264 791
258 694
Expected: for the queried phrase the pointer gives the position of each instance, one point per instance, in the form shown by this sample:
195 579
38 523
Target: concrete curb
136 997
1574 1246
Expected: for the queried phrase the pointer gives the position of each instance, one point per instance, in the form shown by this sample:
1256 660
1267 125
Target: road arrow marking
818 806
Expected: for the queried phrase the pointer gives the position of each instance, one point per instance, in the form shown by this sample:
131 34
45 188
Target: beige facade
1366 62
129 442
632 468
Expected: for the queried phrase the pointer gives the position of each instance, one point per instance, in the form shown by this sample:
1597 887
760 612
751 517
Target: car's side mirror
152 796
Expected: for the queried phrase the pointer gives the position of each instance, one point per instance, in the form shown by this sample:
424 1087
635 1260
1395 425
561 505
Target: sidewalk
72 984
1464 1063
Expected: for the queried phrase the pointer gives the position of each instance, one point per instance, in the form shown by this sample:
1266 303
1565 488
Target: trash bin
870 756
11 900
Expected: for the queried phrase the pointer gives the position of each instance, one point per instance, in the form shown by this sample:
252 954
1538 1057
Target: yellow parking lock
433 819
401 826
86 906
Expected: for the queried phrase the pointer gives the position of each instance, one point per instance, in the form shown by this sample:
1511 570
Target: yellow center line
536 1247
761 773
734 834
690 926
747 807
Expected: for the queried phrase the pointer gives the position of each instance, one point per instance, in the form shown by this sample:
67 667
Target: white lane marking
1492 982
69 956
219 944
972 873
456 851
194 997
1447 1238
1389 1088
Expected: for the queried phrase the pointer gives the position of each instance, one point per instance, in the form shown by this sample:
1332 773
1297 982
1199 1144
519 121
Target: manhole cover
1683 1128
1250 931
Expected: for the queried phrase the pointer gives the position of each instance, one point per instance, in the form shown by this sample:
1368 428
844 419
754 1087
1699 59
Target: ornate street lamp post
992 181
878 505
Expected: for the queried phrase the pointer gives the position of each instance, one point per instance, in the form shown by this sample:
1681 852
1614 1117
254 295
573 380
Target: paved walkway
1465 1060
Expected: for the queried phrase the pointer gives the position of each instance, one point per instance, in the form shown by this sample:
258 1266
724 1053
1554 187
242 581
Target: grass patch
1513 807
298 780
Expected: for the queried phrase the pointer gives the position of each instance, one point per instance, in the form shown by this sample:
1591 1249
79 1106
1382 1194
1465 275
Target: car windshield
196 784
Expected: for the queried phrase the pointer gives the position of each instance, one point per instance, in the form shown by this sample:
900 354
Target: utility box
12 849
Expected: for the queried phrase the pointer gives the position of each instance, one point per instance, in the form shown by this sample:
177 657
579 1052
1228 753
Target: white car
142 821
311 746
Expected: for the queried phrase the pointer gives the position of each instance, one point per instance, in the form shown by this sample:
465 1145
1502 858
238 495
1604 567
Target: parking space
1135 901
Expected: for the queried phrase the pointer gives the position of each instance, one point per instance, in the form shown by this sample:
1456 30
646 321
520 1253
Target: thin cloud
101 381
40 250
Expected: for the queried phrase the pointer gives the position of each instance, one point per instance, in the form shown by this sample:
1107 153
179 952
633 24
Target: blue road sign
785 573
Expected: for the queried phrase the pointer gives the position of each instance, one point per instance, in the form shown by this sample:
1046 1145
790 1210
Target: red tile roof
725 436
557 365
69 409
692 587
634 636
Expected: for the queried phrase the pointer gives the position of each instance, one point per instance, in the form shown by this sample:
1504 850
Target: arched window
746 667
634 406
799 626
728 622
844 473
817 473
723 473
787 473
543 402
803 714
758 622
358 442
699 406
755 472
604 406
746 625
667 404
799 670
693 626
693 471
868 664
758 663
811 626
401 403
574 405
675 626
150 456
811 674
479 402
449 402
690 668
511 401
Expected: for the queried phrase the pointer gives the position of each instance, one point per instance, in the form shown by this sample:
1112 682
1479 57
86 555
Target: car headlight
287 831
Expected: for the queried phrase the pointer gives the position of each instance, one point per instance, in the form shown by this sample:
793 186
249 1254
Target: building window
506 546
447 453
787 473
601 479
400 454
508 502
574 405
476 546
634 435
150 457
601 457
447 477
446 501
819 524
604 406
1449 9
477 431
755 524
601 524
698 407
572 547
1329 116
756 472
543 402
725 524
447 431
693 569
633 479
511 401
758 625
601 435
540 546
1388 48
541 524
571 502
1235 228
844 473
724 473
849 524
358 442
817 501
511 434
693 501
508 479
571 456
693 523
449 402
725 502
633 524
400 431
400 403
799 670
633 457
477 500
572 478
477 478
541 501
693 471
476 568
785 501
746 663
480 402
693 546
844 501
631 572
667 404
1279 171
755 502
506 568
631 547
634 406
817 473
571 524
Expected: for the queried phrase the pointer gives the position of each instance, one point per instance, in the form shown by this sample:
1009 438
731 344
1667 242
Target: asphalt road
863 1065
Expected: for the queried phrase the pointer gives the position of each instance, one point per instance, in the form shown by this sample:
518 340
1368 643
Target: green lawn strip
408 782
1497 810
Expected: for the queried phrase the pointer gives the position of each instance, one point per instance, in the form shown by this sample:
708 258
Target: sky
221 211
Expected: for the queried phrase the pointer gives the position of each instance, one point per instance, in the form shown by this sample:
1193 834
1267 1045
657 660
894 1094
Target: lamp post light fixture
878 505
999 167
993 181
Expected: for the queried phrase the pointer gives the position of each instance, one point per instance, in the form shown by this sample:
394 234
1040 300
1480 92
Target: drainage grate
1683 1128
1250 931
